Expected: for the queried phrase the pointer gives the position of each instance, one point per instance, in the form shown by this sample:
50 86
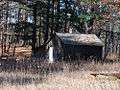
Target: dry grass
75 76
112 57
70 81
19 51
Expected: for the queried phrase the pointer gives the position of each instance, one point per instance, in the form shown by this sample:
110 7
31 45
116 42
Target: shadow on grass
29 66
19 80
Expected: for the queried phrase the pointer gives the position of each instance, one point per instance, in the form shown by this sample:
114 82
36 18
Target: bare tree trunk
34 31
14 49
2 43
86 28
66 8
47 21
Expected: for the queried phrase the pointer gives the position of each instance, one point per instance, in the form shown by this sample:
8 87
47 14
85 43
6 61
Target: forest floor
85 76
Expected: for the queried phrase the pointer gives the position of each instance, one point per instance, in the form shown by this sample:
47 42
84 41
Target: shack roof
80 39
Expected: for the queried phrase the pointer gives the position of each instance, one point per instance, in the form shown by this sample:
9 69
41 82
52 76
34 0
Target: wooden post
50 54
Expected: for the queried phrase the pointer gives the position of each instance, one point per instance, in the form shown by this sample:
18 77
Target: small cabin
76 46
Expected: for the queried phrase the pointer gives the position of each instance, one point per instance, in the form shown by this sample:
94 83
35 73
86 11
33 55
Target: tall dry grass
78 75
67 81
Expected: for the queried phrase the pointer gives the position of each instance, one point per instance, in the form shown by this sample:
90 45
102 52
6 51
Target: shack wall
75 52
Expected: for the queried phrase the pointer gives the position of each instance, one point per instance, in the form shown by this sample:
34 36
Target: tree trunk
34 31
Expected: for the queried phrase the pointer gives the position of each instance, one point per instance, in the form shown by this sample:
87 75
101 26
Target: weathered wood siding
77 46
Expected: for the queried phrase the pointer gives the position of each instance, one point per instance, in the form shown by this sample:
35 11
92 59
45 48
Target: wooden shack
76 46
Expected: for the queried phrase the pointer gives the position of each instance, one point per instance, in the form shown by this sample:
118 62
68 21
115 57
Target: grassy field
82 76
